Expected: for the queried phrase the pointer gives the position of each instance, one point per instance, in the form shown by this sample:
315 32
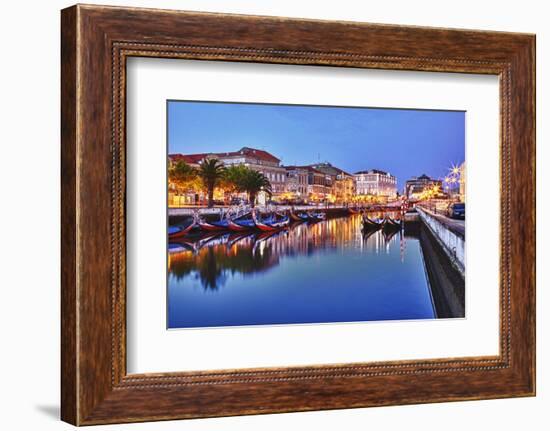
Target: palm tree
211 172
253 182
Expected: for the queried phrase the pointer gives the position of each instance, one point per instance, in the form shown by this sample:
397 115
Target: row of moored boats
251 221
386 223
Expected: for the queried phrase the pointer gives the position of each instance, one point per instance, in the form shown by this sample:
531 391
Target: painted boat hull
236 226
273 226
181 233
214 226
316 217
297 217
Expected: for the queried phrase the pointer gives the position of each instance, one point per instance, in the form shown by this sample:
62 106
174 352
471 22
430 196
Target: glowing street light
455 170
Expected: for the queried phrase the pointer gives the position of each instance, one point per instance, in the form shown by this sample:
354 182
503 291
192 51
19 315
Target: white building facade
258 160
375 182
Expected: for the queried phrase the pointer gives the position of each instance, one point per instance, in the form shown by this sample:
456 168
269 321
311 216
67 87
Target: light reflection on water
312 273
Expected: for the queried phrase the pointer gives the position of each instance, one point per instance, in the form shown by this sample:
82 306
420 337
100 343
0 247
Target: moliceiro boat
371 224
298 217
214 226
306 216
243 223
271 223
255 221
175 232
316 216
391 223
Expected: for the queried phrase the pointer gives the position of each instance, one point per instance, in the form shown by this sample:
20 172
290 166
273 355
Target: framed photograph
266 215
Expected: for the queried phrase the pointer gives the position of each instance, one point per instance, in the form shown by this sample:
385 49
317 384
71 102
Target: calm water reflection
324 272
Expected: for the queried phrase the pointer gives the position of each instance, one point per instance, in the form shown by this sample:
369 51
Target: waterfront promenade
217 210
457 226
450 235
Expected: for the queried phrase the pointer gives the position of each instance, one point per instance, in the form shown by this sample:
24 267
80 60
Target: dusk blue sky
403 142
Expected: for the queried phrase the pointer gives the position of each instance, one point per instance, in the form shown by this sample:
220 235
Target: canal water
325 272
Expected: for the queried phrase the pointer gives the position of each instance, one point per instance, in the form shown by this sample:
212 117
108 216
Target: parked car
456 210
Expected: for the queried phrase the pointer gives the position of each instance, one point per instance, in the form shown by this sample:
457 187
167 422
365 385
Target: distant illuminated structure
375 182
416 186
462 181
455 181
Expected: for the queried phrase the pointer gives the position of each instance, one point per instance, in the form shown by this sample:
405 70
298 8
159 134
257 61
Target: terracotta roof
330 169
310 169
254 152
188 158
246 151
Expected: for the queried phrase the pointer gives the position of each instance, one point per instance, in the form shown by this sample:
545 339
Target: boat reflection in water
331 271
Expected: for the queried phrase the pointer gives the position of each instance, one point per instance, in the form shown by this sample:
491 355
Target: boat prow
371 224
176 232
297 217
392 224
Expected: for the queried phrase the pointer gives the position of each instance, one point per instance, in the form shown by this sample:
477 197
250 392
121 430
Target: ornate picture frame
96 41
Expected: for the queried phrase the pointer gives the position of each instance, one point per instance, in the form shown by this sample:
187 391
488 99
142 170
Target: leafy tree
184 176
253 182
211 173
233 178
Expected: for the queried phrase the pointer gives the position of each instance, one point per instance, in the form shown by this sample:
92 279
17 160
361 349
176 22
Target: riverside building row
320 182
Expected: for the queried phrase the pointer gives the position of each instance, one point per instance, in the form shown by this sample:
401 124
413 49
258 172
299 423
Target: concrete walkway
172 211
449 233
454 225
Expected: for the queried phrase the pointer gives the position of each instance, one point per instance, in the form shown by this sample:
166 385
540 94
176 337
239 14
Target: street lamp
454 177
